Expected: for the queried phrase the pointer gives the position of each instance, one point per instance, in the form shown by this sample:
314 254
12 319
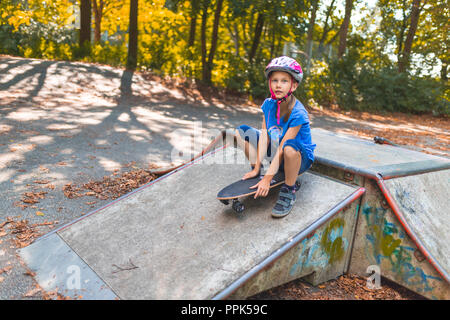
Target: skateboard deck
241 188
381 140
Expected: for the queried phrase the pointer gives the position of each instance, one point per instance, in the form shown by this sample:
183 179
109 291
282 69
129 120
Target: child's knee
248 134
290 153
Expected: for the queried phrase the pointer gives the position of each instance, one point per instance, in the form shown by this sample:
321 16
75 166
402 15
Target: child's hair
285 64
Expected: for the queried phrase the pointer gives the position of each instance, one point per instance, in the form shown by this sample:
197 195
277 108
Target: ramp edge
288 245
67 273
390 171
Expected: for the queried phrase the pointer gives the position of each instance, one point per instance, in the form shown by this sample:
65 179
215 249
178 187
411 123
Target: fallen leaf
39 213
5 270
32 292
41 181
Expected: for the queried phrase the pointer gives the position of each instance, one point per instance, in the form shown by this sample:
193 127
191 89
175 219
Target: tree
132 36
100 8
85 22
344 28
257 35
207 64
436 35
193 23
326 28
98 14
403 62
312 23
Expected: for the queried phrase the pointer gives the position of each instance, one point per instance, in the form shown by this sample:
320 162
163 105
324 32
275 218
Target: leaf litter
22 232
110 187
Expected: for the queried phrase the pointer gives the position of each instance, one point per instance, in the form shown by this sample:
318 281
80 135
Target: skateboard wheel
238 206
225 202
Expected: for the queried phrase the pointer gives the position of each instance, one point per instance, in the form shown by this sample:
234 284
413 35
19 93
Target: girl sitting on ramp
285 138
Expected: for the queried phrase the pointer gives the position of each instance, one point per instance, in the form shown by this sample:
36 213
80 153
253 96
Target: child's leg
292 164
244 144
292 160
248 139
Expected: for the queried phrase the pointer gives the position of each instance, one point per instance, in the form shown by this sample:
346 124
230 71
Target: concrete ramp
403 226
361 206
364 157
172 239
423 201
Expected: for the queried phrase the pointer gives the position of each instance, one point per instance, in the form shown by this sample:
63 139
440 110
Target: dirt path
425 133
66 128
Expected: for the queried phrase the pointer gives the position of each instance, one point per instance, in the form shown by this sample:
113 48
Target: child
285 136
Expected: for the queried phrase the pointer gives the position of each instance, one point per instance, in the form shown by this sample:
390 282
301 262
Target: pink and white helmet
285 64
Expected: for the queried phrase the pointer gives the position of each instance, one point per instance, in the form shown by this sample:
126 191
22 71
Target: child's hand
251 174
263 187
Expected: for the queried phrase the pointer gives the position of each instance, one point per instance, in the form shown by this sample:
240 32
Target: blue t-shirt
298 116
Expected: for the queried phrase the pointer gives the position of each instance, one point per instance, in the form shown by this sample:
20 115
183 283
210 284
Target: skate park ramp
369 159
171 239
403 221
425 212
415 184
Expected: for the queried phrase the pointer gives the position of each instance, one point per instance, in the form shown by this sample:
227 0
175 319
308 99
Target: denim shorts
251 135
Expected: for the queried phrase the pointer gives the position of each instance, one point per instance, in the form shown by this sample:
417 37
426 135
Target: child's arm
264 184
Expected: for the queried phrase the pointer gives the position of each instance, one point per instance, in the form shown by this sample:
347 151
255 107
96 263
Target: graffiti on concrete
322 248
332 242
385 242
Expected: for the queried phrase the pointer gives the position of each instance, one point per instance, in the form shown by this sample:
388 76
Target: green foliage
362 88
112 54
316 86
366 78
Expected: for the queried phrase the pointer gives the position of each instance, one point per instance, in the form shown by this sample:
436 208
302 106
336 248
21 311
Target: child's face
281 82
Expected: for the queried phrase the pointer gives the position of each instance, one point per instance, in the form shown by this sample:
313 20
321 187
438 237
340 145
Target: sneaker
286 200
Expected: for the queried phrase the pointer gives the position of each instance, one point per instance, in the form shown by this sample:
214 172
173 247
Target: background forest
357 54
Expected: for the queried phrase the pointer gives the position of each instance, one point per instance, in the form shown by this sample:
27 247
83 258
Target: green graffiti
331 241
384 243
385 240
389 244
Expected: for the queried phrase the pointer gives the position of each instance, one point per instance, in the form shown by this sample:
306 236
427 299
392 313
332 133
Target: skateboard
381 140
241 188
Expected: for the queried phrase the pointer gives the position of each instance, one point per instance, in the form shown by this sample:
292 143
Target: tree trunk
273 35
192 31
98 14
203 36
132 36
257 36
85 22
193 25
236 39
403 63
444 71
309 41
400 37
212 50
326 28
344 28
